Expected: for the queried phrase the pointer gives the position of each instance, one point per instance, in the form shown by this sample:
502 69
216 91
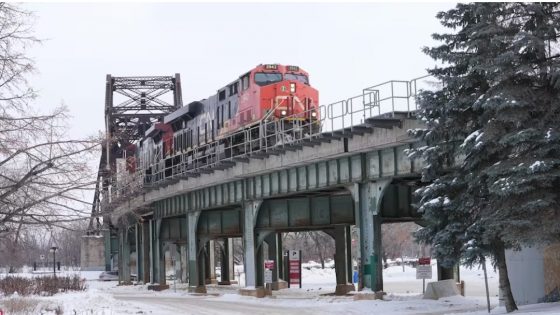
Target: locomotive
278 97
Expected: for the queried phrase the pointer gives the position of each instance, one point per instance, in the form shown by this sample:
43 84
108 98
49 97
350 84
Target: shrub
48 285
9 285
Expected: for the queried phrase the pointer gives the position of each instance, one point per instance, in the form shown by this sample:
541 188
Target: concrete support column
157 273
349 267
161 265
367 204
145 262
227 263
195 255
259 263
203 265
341 261
120 255
280 257
153 260
250 210
377 257
211 264
274 242
124 257
184 264
107 238
138 250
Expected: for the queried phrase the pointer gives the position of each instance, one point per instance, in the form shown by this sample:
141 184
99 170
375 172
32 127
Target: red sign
294 267
424 261
269 264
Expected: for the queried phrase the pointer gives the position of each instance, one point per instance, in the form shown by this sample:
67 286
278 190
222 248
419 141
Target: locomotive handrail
274 135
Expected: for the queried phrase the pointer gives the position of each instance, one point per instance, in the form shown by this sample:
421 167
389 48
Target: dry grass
21 306
29 306
46 286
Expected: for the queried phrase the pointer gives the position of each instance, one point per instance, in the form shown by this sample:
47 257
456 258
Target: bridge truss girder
132 106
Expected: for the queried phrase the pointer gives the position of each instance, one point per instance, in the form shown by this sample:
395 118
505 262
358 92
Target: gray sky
344 47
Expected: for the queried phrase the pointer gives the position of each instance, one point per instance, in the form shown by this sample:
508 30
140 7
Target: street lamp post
53 250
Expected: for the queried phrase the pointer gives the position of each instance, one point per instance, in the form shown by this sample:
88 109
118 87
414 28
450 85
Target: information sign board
294 267
424 272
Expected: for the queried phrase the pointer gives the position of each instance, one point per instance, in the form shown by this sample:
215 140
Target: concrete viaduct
355 173
357 176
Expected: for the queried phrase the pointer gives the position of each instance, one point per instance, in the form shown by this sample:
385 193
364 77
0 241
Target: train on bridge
266 106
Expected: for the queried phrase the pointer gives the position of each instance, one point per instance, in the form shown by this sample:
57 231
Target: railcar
260 104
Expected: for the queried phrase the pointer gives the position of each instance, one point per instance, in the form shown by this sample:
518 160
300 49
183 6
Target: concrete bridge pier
143 249
259 261
184 262
202 267
226 263
343 259
211 263
195 254
250 210
108 248
367 198
274 243
138 250
157 273
124 257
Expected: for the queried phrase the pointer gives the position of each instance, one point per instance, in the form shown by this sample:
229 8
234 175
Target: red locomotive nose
294 100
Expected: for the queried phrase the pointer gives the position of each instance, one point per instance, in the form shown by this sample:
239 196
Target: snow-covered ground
315 297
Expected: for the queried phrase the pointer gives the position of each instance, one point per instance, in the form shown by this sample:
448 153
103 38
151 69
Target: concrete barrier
360 296
258 292
439 289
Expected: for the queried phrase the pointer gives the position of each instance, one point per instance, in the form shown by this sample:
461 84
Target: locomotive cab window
245 82
233 89
266 78
296 77
222 95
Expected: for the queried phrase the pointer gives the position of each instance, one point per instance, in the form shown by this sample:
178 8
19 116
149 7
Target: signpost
268 267
294 259
53 250
424 271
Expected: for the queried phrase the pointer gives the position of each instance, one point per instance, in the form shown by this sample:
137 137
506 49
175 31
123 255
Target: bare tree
69 241
323 246
398 241
44 174
315 245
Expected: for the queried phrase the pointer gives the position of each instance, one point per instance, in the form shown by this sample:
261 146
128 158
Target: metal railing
272 136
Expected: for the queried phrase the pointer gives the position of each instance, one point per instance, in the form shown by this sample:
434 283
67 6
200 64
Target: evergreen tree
493 138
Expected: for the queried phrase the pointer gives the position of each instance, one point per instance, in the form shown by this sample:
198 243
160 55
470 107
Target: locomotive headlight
283 113
292 87
313 114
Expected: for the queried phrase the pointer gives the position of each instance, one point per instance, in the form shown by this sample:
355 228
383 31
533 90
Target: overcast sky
344 47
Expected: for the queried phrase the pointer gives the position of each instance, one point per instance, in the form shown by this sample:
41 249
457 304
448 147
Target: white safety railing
273 136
